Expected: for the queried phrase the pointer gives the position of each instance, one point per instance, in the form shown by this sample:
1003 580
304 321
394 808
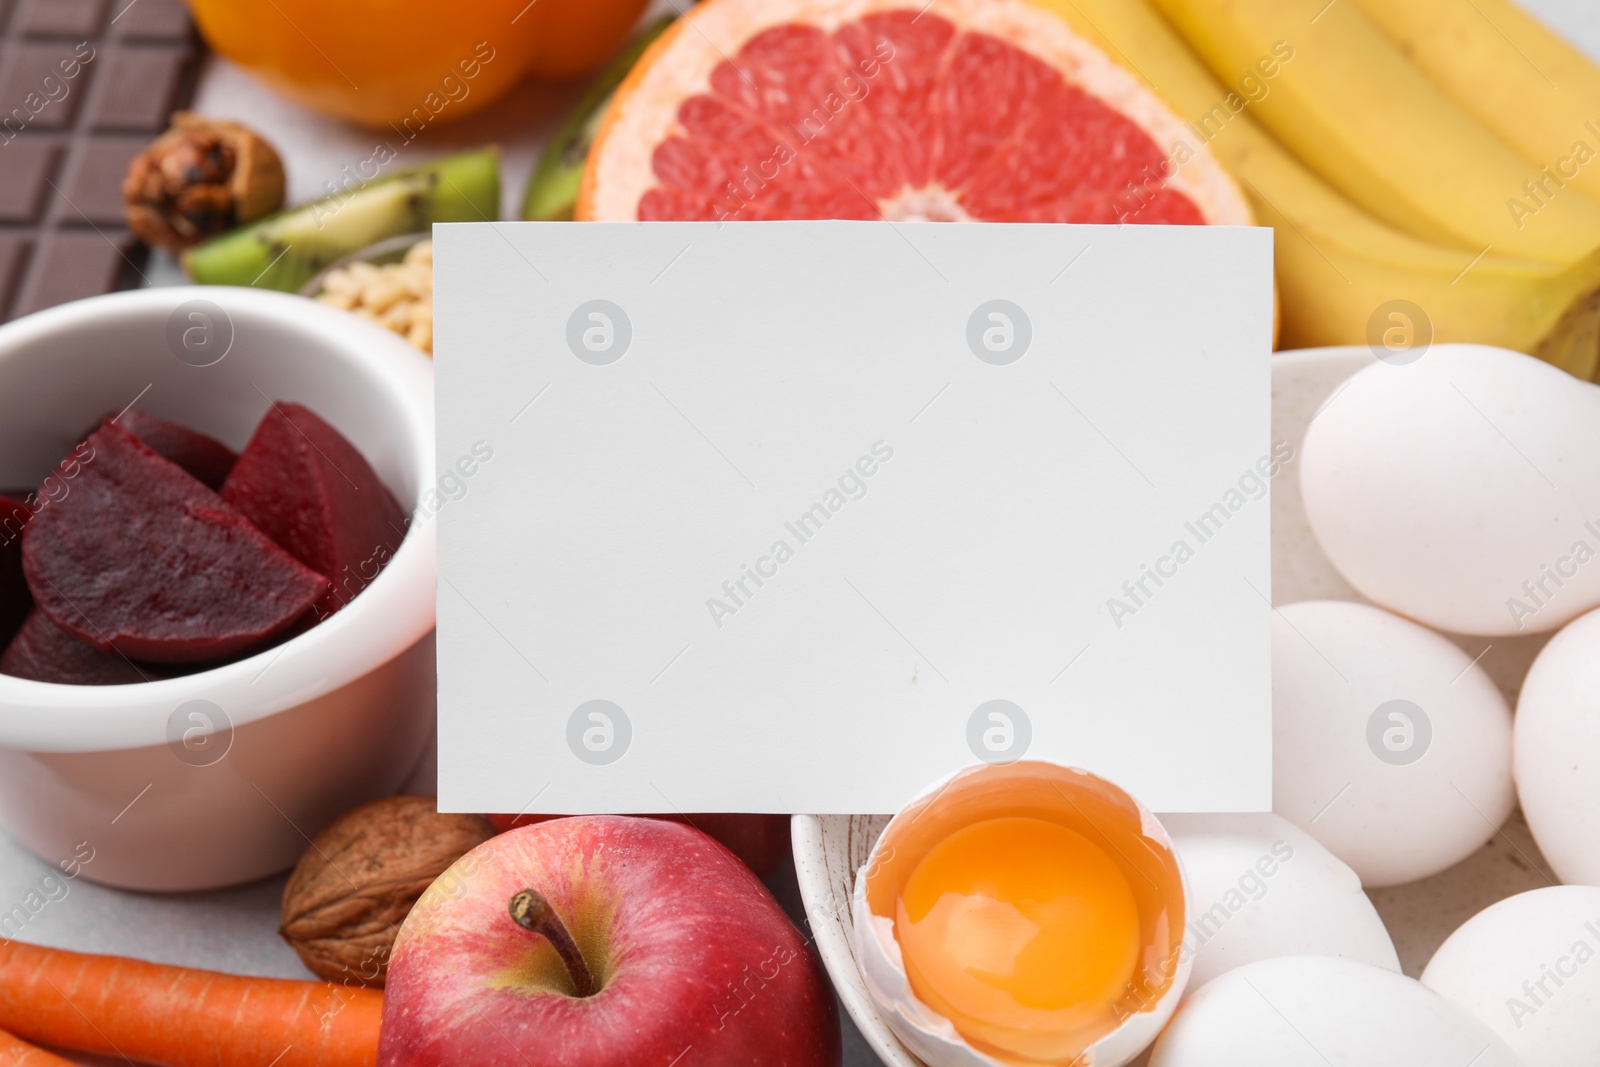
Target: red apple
762 841
691 960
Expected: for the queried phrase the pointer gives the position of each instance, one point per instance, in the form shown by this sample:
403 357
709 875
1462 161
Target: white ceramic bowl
171 794
829 848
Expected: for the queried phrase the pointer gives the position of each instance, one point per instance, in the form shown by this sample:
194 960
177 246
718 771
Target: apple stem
532 911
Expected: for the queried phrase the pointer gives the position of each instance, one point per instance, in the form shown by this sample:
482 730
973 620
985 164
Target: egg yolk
1019 926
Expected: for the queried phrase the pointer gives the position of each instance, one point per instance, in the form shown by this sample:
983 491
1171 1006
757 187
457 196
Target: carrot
181 1017
15 1052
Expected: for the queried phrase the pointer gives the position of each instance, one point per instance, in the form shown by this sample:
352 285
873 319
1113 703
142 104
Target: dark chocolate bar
84 86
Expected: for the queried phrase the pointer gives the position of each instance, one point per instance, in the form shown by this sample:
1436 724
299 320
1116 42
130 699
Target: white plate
829 848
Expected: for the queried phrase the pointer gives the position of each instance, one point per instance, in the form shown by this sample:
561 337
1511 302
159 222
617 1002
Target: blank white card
800 517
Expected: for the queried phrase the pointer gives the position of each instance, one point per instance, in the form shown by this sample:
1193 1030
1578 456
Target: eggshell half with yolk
1025 913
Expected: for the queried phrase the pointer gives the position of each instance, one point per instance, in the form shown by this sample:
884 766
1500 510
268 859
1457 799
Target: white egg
1529 969
1557 751
1461 489
1262 887
1317 1011
1390 746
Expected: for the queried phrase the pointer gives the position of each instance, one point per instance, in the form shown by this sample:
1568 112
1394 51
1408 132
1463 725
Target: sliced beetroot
308 489
44 652
140 558
204 457
15 600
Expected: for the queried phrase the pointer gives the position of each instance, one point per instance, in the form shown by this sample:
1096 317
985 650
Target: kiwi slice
553 187
286 250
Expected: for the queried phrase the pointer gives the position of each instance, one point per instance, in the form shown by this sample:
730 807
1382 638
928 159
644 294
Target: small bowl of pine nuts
389 283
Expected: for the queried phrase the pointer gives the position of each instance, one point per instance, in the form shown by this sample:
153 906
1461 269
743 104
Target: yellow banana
1364 118
1339 269
1540 94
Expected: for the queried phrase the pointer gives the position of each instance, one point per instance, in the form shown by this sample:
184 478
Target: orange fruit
381 62
862 109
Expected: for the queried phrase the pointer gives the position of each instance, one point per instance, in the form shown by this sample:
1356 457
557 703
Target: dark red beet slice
44 652
203 457
15 600
308 489
142 559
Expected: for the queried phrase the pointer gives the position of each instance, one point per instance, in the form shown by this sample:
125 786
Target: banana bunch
1424 176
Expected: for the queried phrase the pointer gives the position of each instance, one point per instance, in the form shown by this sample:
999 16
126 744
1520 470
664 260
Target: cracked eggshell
992 791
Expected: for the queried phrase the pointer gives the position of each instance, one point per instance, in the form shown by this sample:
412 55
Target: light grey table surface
235 929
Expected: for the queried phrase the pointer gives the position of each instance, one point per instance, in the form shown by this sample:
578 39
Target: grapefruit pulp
987 110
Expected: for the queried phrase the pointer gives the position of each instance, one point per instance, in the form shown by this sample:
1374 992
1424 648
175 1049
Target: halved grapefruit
990 110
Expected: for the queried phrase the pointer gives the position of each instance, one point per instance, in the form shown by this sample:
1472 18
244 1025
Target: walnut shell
354 886
200 178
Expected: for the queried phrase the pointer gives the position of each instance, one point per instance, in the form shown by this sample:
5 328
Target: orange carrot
181 1017
15 1052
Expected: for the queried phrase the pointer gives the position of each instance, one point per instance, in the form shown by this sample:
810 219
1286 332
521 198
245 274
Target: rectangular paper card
802 516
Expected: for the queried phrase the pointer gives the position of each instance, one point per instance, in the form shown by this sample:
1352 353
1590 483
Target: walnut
354 886
202 177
